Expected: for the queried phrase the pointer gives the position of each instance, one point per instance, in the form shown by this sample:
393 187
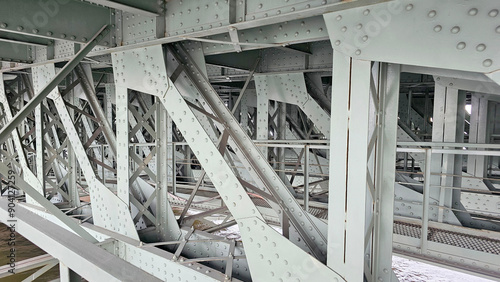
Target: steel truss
142 132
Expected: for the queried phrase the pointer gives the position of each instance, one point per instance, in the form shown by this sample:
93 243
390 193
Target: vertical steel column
108 110
306 177
449 105
490 129
282 136
174 170
348 166
456 134
166 224
66 274
72 161
476 165
244 113
40 154
425 212
437 136
409 108
187 166
262 119
386 137
122 134
108 102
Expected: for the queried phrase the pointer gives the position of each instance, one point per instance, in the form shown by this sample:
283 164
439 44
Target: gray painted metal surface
232 103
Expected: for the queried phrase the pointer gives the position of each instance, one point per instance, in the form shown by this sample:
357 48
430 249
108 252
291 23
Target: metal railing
428 149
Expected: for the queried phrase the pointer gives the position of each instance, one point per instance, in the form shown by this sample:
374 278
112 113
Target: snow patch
414 271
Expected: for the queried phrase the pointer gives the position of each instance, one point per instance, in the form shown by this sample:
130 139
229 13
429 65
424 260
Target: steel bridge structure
250 140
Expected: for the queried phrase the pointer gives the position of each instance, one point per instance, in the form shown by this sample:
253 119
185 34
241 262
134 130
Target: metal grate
319 212
406 229
456 239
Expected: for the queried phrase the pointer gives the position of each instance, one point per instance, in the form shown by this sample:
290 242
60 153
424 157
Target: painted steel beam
90 261
27 264
246 14
4 170
33 103
477 86
66 274
24 39
141 255
448 103
292 13
16 138
476 165
291 88
56 19
384 162
299 10
28 175
95 104
349 154
148 8
11 51
228 185
118 218
276 35
311 230
233 60
386 32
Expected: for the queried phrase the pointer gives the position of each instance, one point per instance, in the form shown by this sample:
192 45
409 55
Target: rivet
366 12
498 29
337 43
35 31
365 38
493 13
431 14
358 52
359 26
438 28
461 45
19 28
344 29
409 7
3 25
487 63
338 18
473 12
455 30
480 47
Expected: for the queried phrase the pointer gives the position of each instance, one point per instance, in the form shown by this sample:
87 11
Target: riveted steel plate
451 34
